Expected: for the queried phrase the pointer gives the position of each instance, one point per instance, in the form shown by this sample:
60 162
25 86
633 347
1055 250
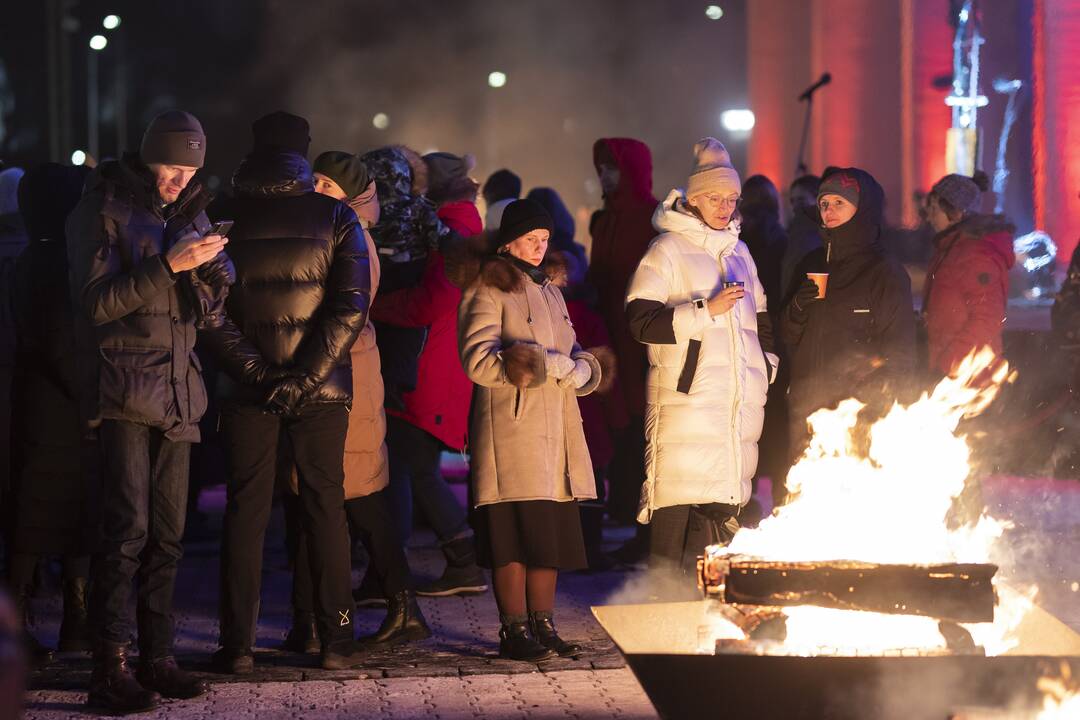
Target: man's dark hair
502 185
806 183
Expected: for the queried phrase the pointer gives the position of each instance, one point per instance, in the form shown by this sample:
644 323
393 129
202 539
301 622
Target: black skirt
537 533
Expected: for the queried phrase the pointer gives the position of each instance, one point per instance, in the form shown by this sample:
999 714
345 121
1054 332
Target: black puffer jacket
303 285
860 340
136 319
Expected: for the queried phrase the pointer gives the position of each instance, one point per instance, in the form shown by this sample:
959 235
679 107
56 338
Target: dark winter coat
621 233
766 239
967 287
137 318
302 282
860 340
53 473
803 238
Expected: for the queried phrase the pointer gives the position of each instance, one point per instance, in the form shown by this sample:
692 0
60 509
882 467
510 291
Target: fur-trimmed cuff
594 379
525 364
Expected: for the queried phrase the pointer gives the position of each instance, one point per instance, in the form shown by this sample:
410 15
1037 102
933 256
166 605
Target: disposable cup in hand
821 280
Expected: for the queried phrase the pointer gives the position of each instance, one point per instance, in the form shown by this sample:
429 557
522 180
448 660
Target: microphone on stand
825 79
1003 86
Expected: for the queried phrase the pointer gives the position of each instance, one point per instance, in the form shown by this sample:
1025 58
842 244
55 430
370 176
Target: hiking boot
303 636
403 622
165 677
113 686
462 575
516 644
75 627
233 662
543 629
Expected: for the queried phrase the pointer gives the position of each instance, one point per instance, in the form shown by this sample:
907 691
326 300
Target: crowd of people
345 322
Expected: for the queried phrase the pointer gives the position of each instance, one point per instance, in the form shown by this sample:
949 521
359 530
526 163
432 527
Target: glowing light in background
78 157
739 120
497 79
714 12
381 121
111 22
98 42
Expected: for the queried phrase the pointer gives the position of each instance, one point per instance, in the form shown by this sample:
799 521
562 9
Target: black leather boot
516 644
303 636
75 627
113 686
403 622
37 654
166 677
543 629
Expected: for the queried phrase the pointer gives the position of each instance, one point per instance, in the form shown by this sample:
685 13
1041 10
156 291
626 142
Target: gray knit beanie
174 138
960 192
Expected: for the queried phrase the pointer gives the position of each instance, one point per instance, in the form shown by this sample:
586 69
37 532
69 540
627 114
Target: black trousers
681 532
371 521
144 498
318 442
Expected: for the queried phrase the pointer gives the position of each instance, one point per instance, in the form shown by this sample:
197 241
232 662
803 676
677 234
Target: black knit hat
840 183
519 218
174 138
347 170
282 132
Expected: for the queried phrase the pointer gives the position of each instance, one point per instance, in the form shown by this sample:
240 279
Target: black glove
804 297
288 395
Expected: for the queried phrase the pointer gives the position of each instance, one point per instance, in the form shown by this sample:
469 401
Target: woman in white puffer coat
696 301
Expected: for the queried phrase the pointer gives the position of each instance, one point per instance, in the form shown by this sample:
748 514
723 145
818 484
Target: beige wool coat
525 434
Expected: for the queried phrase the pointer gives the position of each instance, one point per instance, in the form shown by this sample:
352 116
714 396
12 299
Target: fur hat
713 171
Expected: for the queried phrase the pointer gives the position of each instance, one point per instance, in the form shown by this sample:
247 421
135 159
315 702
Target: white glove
582 373
559 365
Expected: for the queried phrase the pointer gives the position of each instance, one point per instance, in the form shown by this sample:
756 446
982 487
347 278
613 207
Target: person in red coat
621 232
967 283
436 413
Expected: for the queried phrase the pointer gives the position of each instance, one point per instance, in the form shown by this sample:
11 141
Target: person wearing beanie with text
529 461
300 302
434 415
344 177
857 338
696 302
145 273
967 281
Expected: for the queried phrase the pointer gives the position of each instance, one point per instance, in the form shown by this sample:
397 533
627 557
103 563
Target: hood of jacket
671 217
993 233
634 160
392 173
269 174
561 218
861 235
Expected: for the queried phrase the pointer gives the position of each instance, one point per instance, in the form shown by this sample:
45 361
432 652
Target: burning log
958 592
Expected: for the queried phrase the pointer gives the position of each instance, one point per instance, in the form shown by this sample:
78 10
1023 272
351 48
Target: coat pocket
135 385
519 403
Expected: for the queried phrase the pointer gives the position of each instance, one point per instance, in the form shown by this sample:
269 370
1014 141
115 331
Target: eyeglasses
824 205
716 200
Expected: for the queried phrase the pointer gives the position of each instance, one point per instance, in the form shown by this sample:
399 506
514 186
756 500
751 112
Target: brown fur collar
470 261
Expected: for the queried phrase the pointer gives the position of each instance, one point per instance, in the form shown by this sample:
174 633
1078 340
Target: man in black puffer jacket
140 257
301 299
859 341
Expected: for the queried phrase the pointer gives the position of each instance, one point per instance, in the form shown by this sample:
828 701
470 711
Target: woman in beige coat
529 458
343 176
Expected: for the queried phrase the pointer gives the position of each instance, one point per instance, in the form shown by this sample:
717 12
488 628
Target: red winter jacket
440 403
621 233
967 286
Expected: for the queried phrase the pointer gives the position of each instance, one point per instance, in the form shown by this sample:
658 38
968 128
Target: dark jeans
371 521
681 532
318 442
415 476
145 477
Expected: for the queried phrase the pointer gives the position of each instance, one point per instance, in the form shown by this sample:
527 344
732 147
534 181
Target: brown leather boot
166 677
113 686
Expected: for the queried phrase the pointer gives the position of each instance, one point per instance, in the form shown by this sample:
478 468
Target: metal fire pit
671 649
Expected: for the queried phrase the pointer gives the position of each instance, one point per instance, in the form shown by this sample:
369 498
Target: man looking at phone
141 258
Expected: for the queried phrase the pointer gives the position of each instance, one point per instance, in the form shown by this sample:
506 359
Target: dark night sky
577 70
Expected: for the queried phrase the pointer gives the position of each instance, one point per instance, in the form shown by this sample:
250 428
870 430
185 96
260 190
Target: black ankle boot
75 627
37 654
516 644
113 686
166 677
543 629
303 637
403 622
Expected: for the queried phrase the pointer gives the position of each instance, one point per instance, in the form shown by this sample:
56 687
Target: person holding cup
696 302
850 326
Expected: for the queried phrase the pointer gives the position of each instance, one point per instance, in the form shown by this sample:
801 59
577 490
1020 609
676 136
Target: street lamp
98 42
78 157
497 79
111 22
737 121
714 12
381 121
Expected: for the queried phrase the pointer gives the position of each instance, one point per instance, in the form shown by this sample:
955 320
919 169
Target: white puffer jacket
702 437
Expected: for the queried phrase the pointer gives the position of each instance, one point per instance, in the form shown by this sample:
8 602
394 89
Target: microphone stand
800 164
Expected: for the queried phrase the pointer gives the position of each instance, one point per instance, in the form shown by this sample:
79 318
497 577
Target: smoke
655 585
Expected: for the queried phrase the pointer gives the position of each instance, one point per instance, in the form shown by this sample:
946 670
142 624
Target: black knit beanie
842 184
174 138
282 132
347 170
519 218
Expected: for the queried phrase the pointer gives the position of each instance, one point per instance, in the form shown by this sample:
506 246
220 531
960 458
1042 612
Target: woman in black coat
51 509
